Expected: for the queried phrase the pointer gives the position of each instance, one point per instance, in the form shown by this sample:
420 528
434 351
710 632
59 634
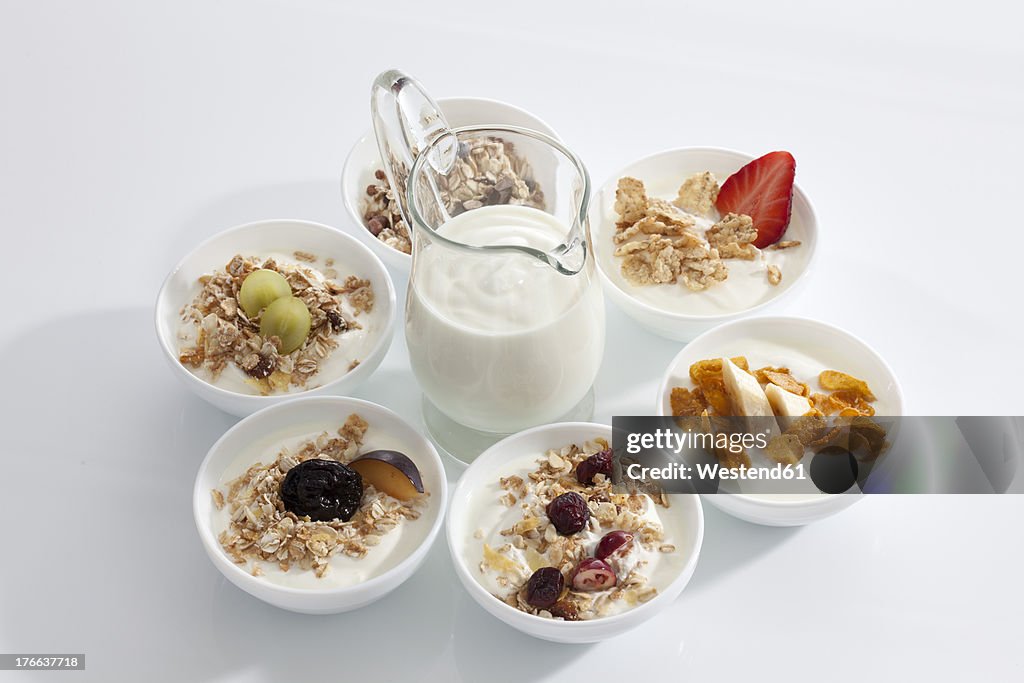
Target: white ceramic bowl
263 433
685 316
364 160
765 341
488 468
257 239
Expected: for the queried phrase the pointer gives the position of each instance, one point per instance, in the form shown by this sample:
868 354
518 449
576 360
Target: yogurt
747 284
395 545
806 362
501 341
490 517
353 344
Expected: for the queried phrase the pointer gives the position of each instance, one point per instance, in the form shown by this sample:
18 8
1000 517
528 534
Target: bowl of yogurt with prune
543 540
321 504
268 310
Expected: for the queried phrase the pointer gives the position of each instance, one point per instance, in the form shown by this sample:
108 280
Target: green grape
260 288
288 319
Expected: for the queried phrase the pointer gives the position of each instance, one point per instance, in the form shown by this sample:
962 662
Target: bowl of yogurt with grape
269 310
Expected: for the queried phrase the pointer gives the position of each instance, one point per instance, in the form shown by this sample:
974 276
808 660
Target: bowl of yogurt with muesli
321 504
265 311
689 238
542 540
487 165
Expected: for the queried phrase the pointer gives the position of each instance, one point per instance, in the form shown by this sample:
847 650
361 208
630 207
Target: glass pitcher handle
406 120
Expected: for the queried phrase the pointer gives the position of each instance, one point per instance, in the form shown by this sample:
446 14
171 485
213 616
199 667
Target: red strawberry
763 189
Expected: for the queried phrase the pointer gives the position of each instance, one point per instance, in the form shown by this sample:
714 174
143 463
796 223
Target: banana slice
747 397
786 404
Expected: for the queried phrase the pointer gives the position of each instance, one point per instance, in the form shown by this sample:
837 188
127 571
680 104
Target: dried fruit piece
568 513
544 587
763 190
322 490
593 574
260 288
614 543
833 380
565 609
391 472
287 319
598 463
745 394
498 561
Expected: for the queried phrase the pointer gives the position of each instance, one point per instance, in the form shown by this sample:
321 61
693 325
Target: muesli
318 501
689 240
571 547
276 320
487 172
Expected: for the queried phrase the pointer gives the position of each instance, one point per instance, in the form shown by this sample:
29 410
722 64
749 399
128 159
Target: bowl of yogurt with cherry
542 540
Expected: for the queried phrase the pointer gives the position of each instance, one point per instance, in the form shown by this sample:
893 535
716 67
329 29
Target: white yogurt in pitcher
501 341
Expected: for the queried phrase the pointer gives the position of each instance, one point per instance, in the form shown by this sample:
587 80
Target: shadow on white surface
103 447
486 649
731 544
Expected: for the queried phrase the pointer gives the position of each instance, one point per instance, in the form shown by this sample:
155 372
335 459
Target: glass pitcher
504 315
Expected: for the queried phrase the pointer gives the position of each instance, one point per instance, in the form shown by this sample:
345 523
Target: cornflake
698 193
849 405
660 242
733 237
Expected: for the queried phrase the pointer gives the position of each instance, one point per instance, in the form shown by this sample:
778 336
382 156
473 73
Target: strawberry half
763 189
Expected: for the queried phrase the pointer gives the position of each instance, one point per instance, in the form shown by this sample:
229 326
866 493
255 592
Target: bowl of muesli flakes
542 539
322 504
689 238
269 310
490 170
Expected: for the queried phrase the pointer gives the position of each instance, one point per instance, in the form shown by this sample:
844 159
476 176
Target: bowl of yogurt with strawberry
689 238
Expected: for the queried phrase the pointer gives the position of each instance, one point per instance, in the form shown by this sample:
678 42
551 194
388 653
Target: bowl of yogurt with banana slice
541 538
813 387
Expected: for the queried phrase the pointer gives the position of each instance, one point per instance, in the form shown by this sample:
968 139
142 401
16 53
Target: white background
129 131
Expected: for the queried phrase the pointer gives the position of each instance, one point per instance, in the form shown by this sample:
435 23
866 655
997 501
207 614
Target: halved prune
322 490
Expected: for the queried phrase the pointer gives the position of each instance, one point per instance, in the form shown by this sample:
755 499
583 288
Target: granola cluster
261 530
536 539
660 242
487 172
225 335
